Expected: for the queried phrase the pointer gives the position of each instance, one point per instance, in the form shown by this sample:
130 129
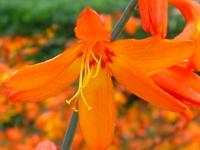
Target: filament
73 97
84 100
93 56
98 68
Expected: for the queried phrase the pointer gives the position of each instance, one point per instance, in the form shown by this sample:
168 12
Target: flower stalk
71 130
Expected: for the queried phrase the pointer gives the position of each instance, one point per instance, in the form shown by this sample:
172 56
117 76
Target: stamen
73 97
94 57
87 78
86 73
87 64
84 100
98 68
75 109
80 81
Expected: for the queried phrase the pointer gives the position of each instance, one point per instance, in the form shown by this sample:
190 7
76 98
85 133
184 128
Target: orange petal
107 21
89 26
181 83
186 76
34 76
187 32
50 88
152 53
189 8
158 12
98 124
144 13
41 81
142 86
191 11
192 32
154 16
195 59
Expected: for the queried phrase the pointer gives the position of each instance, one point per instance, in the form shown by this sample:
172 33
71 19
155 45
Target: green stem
123 19
70 132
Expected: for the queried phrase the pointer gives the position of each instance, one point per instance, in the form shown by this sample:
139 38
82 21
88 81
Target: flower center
92 60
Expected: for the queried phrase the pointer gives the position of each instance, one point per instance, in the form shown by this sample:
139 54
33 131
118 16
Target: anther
75 109
68 102
89 108
84 100
73 97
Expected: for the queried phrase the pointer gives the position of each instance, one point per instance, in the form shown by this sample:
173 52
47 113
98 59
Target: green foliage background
28 17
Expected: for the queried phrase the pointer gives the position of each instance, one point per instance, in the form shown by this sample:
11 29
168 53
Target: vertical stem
123 19
70 132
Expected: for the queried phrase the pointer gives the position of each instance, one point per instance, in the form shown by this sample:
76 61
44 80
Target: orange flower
191 11
181 83
154 16
132 25
94 58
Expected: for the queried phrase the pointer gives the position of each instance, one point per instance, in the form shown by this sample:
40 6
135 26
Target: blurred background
32 31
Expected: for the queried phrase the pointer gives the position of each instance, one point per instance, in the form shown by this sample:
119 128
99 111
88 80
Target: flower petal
142 86
50 88
152 53
158 12
192 32
189 8
89 26
181 83
187 32
98 124
154 16
144 13
191 11
34 76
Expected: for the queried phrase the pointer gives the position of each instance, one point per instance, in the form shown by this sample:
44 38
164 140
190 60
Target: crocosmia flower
154 16
191 11
94 59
